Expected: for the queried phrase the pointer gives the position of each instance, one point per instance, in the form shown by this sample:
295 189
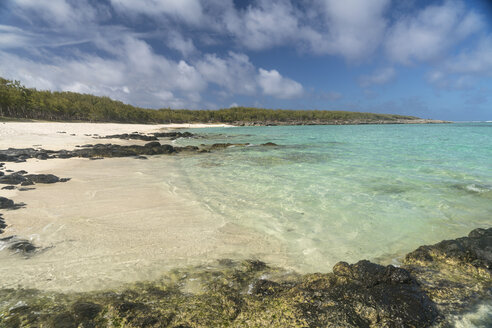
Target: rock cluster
14 243
153 136
112 150
24 179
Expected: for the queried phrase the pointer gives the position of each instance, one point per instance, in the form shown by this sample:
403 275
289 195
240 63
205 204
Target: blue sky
431 59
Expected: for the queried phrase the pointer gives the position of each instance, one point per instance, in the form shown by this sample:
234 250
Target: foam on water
479 317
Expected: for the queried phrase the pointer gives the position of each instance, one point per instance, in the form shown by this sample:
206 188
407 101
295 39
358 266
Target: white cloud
450 82
133 72
378 77
235 73
178 42
264 26
431 32
476 61
463 70
353 28
13 37
189 11
274 84
137 75
58 12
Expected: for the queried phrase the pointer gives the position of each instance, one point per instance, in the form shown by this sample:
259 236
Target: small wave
478 188
478 318
474 188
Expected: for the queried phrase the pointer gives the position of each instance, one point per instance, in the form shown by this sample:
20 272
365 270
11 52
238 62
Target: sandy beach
117 220
58 135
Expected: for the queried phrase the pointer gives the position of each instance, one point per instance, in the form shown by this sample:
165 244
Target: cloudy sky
431 59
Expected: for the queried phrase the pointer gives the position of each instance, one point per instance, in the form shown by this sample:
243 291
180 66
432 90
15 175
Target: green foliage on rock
19 102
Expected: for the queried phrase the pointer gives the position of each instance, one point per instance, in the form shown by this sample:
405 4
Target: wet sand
117 220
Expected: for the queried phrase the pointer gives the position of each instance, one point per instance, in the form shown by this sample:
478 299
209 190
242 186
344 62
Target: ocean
348 192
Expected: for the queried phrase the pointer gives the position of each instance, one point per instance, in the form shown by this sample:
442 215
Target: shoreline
439 285
260 287
112 210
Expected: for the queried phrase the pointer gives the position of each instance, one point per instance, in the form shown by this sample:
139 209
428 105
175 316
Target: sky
431 59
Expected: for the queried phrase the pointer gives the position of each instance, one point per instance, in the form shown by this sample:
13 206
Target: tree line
17 101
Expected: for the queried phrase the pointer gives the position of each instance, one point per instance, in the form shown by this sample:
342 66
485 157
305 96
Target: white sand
118 220
56 136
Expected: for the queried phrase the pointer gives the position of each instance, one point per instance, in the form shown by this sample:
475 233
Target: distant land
20 103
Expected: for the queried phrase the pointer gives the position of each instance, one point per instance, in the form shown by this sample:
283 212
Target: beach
257 209
113 222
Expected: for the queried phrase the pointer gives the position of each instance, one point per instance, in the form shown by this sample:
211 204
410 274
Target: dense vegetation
17 101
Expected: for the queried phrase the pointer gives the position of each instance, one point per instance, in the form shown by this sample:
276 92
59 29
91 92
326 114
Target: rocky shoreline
23 181
96 151
434 284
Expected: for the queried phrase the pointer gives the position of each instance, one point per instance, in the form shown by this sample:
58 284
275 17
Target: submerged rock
19 245
130 136
174 135
3 225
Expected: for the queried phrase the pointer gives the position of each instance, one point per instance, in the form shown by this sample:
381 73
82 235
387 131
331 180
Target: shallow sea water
333 193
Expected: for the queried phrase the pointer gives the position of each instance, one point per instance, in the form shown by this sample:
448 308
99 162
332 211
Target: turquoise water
332 193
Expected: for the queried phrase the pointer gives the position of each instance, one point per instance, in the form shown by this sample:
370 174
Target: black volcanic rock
20 155
6 203
365 295
43 178
12 179
9 204
453 272
130 136
423 293
3 225
29 179
110 150
19 245
472 253
173 135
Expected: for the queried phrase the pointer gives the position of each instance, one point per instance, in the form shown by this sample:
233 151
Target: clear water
333 193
